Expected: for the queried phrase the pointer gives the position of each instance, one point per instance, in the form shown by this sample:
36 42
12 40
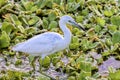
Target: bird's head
69 20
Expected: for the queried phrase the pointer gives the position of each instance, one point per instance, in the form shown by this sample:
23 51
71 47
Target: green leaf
7 27
34 20
108 13
42 3
46 61
116 37
83 75
2 2
52 16
79 18
115 20
97 28
45 23
72 6
115 76
100 21
4 40
112 28
27 4
53 24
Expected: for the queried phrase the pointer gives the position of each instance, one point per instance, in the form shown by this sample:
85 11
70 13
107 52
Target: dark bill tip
79 26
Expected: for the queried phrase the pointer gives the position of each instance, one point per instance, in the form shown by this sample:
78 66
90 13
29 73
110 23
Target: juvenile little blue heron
48 42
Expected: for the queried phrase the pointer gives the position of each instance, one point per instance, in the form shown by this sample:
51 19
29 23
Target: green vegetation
22 19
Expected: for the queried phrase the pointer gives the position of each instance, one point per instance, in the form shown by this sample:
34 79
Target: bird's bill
77 25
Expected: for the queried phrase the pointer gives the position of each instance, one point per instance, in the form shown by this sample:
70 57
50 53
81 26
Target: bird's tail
17 47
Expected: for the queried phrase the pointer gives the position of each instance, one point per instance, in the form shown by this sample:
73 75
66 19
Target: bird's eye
69 21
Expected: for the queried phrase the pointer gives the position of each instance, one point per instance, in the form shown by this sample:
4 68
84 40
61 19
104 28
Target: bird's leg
33 62
67 50
40 63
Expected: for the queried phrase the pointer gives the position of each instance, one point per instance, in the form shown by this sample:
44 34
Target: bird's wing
46 38
43 43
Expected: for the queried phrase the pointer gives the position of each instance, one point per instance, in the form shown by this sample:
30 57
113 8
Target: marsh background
93 55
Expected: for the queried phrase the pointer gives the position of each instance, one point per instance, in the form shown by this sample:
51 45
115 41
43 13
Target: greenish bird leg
40 63
33 62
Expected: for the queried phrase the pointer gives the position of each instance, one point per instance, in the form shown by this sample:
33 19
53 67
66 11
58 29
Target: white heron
48 42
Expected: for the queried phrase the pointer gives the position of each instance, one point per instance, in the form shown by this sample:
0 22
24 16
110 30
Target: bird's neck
66 32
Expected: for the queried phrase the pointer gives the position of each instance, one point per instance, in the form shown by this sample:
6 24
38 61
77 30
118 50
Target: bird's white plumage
47 43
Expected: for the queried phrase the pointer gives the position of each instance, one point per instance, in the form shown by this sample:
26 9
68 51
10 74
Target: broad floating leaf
53 24
45 23
75 43
72 6
79 18
116 37
34 20
46 61
115 20
100 21
2 2
4 40
7 27
52 16
115 75
108 13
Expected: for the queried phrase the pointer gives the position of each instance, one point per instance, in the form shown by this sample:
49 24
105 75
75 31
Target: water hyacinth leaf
97 28
57 1
45 23
7 27
85 12
52 16
108 13
74 43
34 20
49 4
100 21
53 24
15 20
115 20
85 66
88 44
115 75
75 39
79 18
55 60
91 32
21 28
46 61
112 28
81 2
4 40
30 30
18 62
14 17
18 75
2 2
116 37
23 21
72 6
83 74
71 78
34 8
41 3
27 4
